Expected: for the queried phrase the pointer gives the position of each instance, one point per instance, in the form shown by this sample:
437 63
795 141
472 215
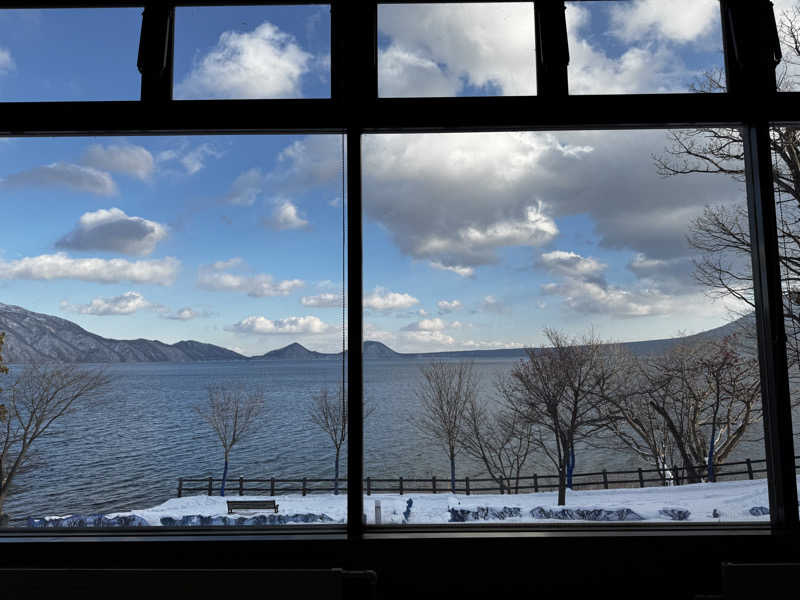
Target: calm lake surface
129 450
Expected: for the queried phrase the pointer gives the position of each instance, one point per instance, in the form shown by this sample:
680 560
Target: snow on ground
703 502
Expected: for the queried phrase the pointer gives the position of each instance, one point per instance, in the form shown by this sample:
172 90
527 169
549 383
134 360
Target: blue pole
224 476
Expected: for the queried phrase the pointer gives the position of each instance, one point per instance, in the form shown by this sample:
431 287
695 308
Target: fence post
304 486
369 486
401 486
241 485
466 484
749 470
271 486
433 483
641 478
210 486
605 479
180 486
535 482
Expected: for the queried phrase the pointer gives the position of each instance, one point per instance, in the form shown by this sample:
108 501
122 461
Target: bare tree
39 396
232 413
330 415
556 389
695 403
502 440
445 392
721 234
630 417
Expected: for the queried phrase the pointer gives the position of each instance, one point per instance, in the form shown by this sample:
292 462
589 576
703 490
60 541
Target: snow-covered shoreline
731 501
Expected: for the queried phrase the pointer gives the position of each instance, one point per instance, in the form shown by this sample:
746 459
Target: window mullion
156 51
355 89
552 48
775 392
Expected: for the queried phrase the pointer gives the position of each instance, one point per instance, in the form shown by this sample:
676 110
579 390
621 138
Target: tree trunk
570 466
453 473
562 487
691 474
710 468
336 475
224 477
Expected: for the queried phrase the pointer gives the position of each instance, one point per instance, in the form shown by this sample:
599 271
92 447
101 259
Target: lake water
129 450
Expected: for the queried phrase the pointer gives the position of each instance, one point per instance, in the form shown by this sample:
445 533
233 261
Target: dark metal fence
677 475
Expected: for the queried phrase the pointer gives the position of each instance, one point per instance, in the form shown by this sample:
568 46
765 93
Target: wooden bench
251 505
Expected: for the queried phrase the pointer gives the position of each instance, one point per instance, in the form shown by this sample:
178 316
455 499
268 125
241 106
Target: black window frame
750 103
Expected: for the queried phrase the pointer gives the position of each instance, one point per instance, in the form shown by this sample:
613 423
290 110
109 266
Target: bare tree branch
232 413
445 393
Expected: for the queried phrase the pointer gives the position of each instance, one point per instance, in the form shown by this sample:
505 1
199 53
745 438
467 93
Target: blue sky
471 241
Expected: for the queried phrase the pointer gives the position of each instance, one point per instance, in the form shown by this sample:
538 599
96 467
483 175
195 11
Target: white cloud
285 217
571 264
403 73
428 337
185 314
493 304
446 306
593 298
217 276
435 193
77 177
6 62
477 244
263 63
374 333
438 50
677 20
126 158
435 324
113 231
385 300
289 325
650 64
246 188
457 269
325 300
194 160
60 266
126 304
584 288
314 160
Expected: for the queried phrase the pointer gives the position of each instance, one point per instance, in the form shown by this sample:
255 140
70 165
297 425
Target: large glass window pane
252 52
179 300
645 46
66 54
546 339
456 50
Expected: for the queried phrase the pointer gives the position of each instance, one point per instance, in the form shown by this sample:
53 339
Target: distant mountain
293 351
36 337
380 350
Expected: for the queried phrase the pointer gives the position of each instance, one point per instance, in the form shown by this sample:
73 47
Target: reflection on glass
252 52
645 47
69 54
787 18
172 323
429 50
546 338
